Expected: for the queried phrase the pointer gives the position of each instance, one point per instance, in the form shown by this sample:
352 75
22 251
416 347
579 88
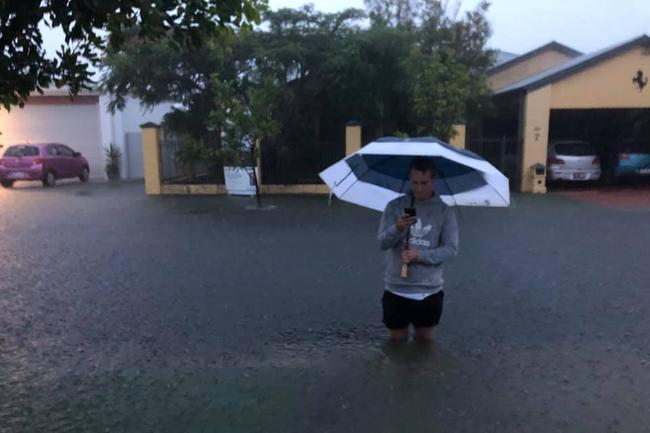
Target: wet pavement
126 313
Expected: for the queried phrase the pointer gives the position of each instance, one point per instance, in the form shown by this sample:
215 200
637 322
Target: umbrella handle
405 267
405 271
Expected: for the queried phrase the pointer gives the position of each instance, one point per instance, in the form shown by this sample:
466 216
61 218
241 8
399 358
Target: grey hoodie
434 236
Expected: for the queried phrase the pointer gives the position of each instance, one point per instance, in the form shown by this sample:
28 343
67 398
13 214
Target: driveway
126 313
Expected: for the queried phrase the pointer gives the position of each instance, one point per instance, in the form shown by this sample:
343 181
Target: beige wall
606 85
525 69
536 114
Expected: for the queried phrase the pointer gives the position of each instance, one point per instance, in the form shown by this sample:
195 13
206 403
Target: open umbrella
379 173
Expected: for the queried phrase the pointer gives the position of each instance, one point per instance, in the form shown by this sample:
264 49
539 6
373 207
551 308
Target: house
554 92
83 123
511 68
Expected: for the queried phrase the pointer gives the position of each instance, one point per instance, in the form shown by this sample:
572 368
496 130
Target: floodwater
126 313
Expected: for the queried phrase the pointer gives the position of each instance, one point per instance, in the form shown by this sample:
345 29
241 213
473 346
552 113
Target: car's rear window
574 149
22 151
635 146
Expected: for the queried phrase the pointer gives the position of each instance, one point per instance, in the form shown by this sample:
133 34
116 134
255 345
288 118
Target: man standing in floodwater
419 233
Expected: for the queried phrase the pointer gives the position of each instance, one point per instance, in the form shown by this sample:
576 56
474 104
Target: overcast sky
522 25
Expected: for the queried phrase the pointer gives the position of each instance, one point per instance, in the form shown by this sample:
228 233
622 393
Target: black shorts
399 311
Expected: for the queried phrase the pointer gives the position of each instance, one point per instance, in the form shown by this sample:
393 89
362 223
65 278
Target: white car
573 160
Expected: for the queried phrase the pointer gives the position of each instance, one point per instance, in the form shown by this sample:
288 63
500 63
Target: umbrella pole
405 267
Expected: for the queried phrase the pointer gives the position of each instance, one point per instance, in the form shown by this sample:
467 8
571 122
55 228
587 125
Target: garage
616 136
601 98
54 117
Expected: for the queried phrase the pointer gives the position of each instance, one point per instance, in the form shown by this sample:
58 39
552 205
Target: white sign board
239 180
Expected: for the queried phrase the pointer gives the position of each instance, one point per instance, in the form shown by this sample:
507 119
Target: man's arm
389 235
448 248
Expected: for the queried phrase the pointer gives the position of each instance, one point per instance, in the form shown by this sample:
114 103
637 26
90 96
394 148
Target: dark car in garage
632 158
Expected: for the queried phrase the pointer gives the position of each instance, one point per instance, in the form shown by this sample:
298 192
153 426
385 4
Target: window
22 151
575 149
52 150
632 145
64 150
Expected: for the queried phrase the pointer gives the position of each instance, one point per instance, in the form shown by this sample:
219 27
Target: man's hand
405 221
409 256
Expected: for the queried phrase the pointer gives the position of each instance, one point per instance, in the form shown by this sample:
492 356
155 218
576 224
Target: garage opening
619 137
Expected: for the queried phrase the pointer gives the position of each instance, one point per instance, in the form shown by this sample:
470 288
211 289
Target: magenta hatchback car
46 162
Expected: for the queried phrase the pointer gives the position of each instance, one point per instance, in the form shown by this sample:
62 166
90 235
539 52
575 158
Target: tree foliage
417 69
439 91
24 66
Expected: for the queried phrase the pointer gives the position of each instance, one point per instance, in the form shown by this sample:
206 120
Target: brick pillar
151 157
352 137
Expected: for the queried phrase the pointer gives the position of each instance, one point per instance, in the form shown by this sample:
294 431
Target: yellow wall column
151 157
458 139
536 123
352 138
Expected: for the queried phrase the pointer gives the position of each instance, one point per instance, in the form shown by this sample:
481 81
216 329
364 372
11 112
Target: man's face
422 184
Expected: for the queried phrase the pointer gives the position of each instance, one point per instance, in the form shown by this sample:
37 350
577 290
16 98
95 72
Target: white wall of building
85 124
57 120
115 128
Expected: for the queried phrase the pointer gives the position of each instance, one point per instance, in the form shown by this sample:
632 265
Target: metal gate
503 153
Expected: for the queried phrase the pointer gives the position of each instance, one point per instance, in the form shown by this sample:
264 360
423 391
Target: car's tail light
555 161
623 156
38 161
596 161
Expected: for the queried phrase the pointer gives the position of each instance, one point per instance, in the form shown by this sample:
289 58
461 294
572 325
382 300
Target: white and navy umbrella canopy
379 172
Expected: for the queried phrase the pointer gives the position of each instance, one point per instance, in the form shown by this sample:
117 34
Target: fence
174 171
503 153
169 147
282 163
298 163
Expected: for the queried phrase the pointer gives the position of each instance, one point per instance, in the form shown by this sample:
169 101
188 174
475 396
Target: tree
245 112
307 54
24 67
451 49
466 37
393 13
154 72
416 74
310 53
440 89
376 86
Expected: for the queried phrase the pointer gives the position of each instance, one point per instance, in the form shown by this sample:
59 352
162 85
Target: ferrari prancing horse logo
640 80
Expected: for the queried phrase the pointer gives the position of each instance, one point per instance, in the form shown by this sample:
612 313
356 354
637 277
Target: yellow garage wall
605 85
525 69
536 115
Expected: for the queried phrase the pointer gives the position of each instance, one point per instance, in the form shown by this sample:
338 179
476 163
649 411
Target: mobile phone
410 211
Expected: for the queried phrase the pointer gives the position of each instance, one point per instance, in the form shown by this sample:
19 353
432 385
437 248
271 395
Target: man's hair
424 164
